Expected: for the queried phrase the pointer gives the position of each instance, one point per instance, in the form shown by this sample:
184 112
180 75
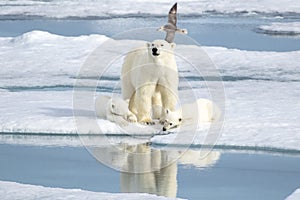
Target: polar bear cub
114 109
207 112
150 78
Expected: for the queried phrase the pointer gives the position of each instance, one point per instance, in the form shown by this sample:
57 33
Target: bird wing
172 18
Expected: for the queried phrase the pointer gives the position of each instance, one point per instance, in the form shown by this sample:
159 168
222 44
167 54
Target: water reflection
148 170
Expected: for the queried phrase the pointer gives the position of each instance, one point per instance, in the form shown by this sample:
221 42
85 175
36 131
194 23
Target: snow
39 69
107 9
257 114
69 54
290 28
294 196
12 190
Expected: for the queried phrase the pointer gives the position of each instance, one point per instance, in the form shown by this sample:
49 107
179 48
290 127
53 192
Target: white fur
150 81
114 109
207 112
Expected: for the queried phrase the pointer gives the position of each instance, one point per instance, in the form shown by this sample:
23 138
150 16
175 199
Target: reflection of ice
148 170
199 158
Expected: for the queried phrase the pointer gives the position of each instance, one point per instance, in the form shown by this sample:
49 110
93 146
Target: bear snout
155 51
164 129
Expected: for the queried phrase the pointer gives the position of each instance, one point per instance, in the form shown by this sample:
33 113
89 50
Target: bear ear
148 44
113 106
173 45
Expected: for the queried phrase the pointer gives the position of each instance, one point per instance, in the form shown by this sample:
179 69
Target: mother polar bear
150 80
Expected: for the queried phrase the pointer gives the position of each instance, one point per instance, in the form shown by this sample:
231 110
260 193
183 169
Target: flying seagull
171 27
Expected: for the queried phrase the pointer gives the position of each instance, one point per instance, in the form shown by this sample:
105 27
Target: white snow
294 196
37 50
12 190
106 9
257 114
38 70
289 28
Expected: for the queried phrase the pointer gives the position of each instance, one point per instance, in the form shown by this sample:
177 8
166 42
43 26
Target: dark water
230 32
224 175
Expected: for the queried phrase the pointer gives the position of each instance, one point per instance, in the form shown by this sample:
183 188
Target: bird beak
159 29
184 31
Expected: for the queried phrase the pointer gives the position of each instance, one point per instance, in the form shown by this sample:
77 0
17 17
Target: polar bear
150 78
114 109
208 111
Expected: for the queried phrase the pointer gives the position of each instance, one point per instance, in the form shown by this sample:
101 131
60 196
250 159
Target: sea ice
289 28
107 9
294 196
39 69
12 190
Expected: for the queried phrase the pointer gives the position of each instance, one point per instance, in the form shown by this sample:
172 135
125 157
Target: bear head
159 48
118 106
173 119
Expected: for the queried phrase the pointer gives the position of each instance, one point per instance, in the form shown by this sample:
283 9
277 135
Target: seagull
171 27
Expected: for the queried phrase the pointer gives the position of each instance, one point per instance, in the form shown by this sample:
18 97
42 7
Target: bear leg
168 97
144 101
156 106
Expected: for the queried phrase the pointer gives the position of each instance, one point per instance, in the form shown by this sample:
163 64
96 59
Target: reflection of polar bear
114 109
147 170
207 112
150 78
159 171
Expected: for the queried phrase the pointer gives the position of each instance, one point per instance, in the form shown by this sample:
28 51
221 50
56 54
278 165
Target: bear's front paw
150 123
132 118
162 121
147 121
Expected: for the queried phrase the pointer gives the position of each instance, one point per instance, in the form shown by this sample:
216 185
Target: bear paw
132 118
162 121
147 121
